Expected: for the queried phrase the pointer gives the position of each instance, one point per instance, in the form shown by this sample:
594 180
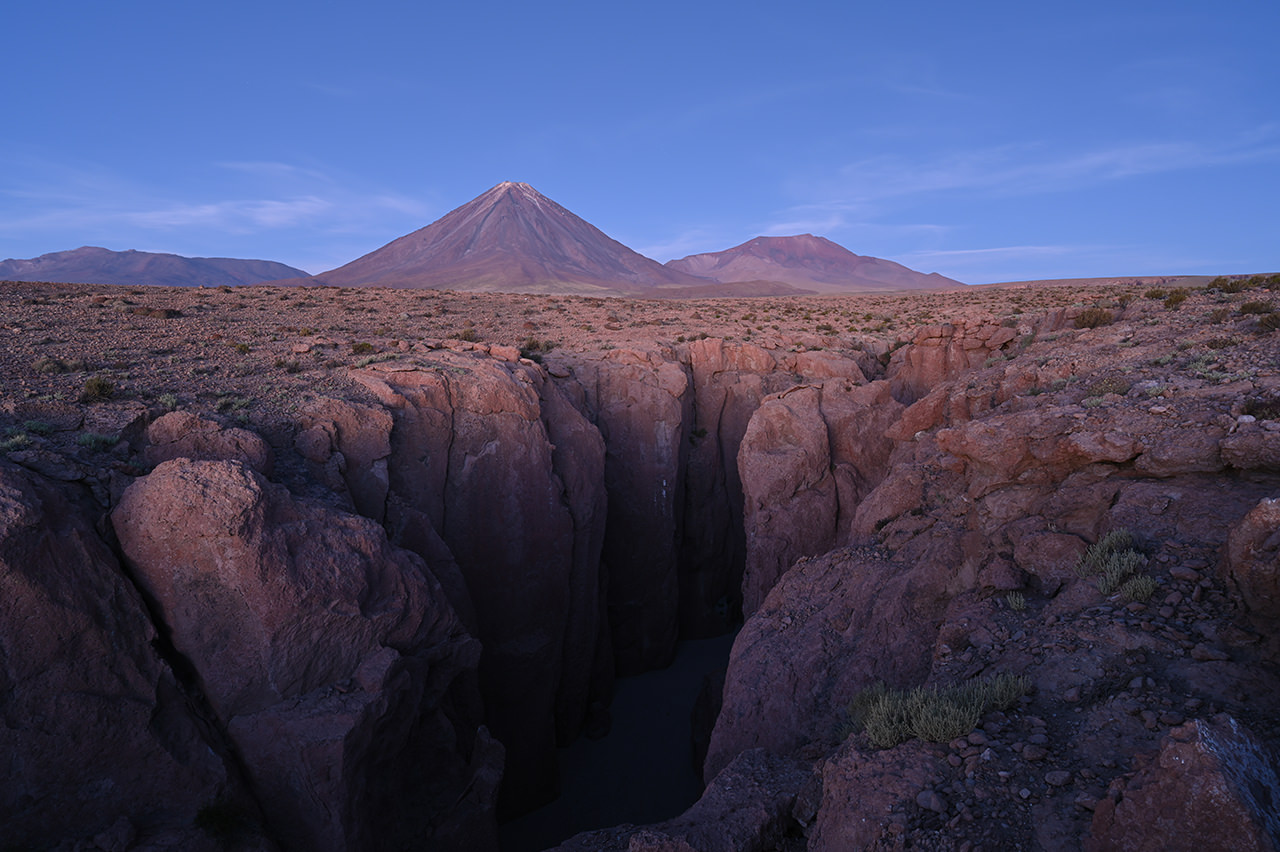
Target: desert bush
891 716
1175 299
1118 565
14 440
361 348
1156 293
167 401
97 388
1094 317
288 365
1218 315
1139 587
96 442
1256 307
38 427
50 366
1118 385
1016 601
468 334
534 349
1096 557
1269 322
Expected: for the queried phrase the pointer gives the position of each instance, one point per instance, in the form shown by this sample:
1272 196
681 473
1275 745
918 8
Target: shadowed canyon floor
313 568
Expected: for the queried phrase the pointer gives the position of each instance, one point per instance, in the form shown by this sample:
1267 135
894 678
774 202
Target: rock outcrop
330 657
1209 787
96 728
491 468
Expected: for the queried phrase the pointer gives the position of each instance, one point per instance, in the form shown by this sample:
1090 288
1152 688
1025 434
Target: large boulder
182 434
1213 785
331 658
1252 562
95 725
830 627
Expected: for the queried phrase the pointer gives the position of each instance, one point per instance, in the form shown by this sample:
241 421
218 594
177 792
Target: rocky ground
888 488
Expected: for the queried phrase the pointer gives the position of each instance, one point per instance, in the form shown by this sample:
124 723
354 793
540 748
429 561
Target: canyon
314 568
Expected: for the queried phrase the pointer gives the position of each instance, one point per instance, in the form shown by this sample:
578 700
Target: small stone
1057 778
1182 572
1072 695
931 801
1024 793
1034 753
1203 653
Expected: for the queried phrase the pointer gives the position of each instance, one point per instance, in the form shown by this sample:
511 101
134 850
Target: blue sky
988 141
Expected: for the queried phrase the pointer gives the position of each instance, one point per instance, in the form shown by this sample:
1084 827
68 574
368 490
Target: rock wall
331 658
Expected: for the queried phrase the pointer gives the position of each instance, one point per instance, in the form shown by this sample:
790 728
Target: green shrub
38 427
97 388
1094 317
14 441
1118 565
1175 299
1269 322
96 442
1016 601
1096 557
361 348
891 716
1256 307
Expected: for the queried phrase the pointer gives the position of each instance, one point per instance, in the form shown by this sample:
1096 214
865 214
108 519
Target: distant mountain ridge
813 263
95 265
513 239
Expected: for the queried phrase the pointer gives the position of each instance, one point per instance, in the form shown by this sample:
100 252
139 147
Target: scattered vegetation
362 348
1256 307
892 716
1117 563
96 389
1016 601
96 442
1175 298
534 349
1094 317
14 440
50 366
1118 385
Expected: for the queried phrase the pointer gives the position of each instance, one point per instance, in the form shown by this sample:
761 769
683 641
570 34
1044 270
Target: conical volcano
512 239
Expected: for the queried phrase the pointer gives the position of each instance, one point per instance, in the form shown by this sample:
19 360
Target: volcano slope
313 568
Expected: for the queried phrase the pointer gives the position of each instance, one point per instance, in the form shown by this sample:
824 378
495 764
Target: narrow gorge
371 624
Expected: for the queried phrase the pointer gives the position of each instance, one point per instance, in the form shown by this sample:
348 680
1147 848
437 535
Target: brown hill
514 239
94 265
509 238
810 262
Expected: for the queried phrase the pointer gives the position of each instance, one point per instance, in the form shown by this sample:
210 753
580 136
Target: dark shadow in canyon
643 771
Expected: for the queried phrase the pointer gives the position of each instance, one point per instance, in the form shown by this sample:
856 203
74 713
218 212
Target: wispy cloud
234 215
300 205
1029 168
